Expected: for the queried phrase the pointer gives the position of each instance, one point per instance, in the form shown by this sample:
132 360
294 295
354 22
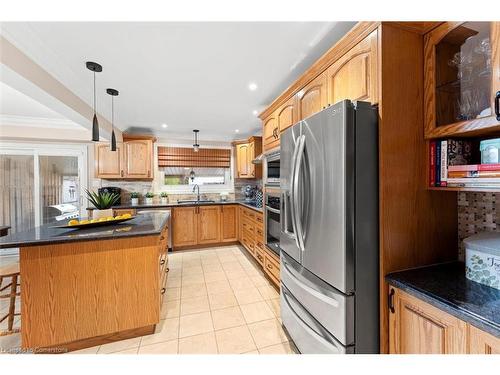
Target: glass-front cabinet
462 79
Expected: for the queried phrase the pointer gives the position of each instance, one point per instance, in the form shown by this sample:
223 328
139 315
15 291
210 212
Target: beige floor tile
172 294
283 348
118 346
227 258
195 290
246 296
212 267
267 333
219 286
166 347
193 279
190 255
173 282
194 305
175 272
215 276
192 263
195 324
268 292
199 344
222 300
192 271
235 274
259 280
92 350
166 330
241 283
234 340
170 309
253 271
232 266
227 318
274 305
127 351
252 352
256 312
10 342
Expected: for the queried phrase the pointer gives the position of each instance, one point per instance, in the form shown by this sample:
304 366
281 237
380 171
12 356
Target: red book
432 176
474 167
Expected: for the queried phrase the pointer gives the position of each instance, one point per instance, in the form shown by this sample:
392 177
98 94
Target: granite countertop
143 225
251 205
446 287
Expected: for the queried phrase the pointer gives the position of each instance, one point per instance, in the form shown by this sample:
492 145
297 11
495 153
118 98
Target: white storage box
482 258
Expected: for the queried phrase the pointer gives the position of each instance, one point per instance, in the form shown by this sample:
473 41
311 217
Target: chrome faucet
194 188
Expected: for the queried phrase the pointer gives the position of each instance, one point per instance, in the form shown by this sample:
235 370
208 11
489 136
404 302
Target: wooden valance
186 157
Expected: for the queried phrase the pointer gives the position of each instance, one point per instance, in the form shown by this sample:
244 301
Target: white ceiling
187 75
17 108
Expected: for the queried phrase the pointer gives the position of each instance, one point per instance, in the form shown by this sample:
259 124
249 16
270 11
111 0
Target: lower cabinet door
481 342
228 223
416 327
208 224
185 225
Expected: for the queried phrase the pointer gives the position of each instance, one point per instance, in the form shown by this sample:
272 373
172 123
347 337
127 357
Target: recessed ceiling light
164 125
255 112
237 130
252 86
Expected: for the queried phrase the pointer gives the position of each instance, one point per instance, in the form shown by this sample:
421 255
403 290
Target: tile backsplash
477 212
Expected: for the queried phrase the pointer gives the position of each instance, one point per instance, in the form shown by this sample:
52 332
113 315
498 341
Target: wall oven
272 168
272 220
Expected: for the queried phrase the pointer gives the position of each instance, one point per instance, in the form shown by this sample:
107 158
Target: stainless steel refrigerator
329 230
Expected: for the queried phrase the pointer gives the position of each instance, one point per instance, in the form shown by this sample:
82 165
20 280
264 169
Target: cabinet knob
162 262
163 290
122 173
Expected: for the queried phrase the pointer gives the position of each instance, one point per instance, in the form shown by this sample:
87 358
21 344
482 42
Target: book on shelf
446 153
474 167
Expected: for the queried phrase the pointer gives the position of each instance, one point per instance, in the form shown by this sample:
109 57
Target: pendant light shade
113 93
94 67
196 146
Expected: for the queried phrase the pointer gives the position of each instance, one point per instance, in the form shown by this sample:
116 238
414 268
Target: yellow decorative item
84 222
126 216
73 222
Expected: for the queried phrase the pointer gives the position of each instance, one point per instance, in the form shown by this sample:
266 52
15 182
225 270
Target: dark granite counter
142 225
142 206
446 287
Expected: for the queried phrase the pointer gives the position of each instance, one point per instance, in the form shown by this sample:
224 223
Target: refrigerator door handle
299 233
328 300
292 194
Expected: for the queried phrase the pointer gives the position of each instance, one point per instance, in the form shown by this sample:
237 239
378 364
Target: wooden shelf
471 189
485 126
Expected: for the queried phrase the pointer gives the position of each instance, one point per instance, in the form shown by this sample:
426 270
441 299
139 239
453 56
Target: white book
444 161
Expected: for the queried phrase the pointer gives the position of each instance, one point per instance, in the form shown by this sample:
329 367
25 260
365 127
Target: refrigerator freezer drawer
332 309
307 334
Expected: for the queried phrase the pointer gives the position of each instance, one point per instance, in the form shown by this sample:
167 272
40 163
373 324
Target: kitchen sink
194 201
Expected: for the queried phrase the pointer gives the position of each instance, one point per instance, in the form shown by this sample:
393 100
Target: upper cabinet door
242 155
138 157
461 78
354 75
108 164
271 132
312 98
286 114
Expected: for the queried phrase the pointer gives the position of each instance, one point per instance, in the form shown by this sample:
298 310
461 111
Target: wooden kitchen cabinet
481 342
271 132
108 164
415 327
133 159
185 226
354 75
138 155
229 223
246 152
286 114
208 224
312 98
461 79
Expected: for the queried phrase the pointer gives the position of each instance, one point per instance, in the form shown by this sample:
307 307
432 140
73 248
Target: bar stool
11 272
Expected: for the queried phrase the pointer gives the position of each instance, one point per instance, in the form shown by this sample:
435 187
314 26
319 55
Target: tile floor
218 301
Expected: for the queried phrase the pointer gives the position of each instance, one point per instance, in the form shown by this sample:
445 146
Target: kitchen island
81 288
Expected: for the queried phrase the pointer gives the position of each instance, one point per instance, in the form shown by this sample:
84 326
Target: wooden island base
81 294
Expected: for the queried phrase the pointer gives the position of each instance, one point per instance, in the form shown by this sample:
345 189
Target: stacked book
451 164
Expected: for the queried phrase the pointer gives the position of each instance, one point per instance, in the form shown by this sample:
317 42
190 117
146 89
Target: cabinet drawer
249 214
248 242
248 225
259 255
259 219
259 233
271 266
122 211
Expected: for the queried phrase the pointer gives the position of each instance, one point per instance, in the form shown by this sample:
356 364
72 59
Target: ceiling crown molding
39 122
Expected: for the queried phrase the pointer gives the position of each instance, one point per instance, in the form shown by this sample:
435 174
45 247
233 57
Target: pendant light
113 93
94 67
196 146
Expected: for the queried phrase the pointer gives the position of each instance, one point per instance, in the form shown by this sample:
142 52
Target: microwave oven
272 169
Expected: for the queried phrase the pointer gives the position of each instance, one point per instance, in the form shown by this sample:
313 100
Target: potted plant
149 197
164 197
134 197
102 203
